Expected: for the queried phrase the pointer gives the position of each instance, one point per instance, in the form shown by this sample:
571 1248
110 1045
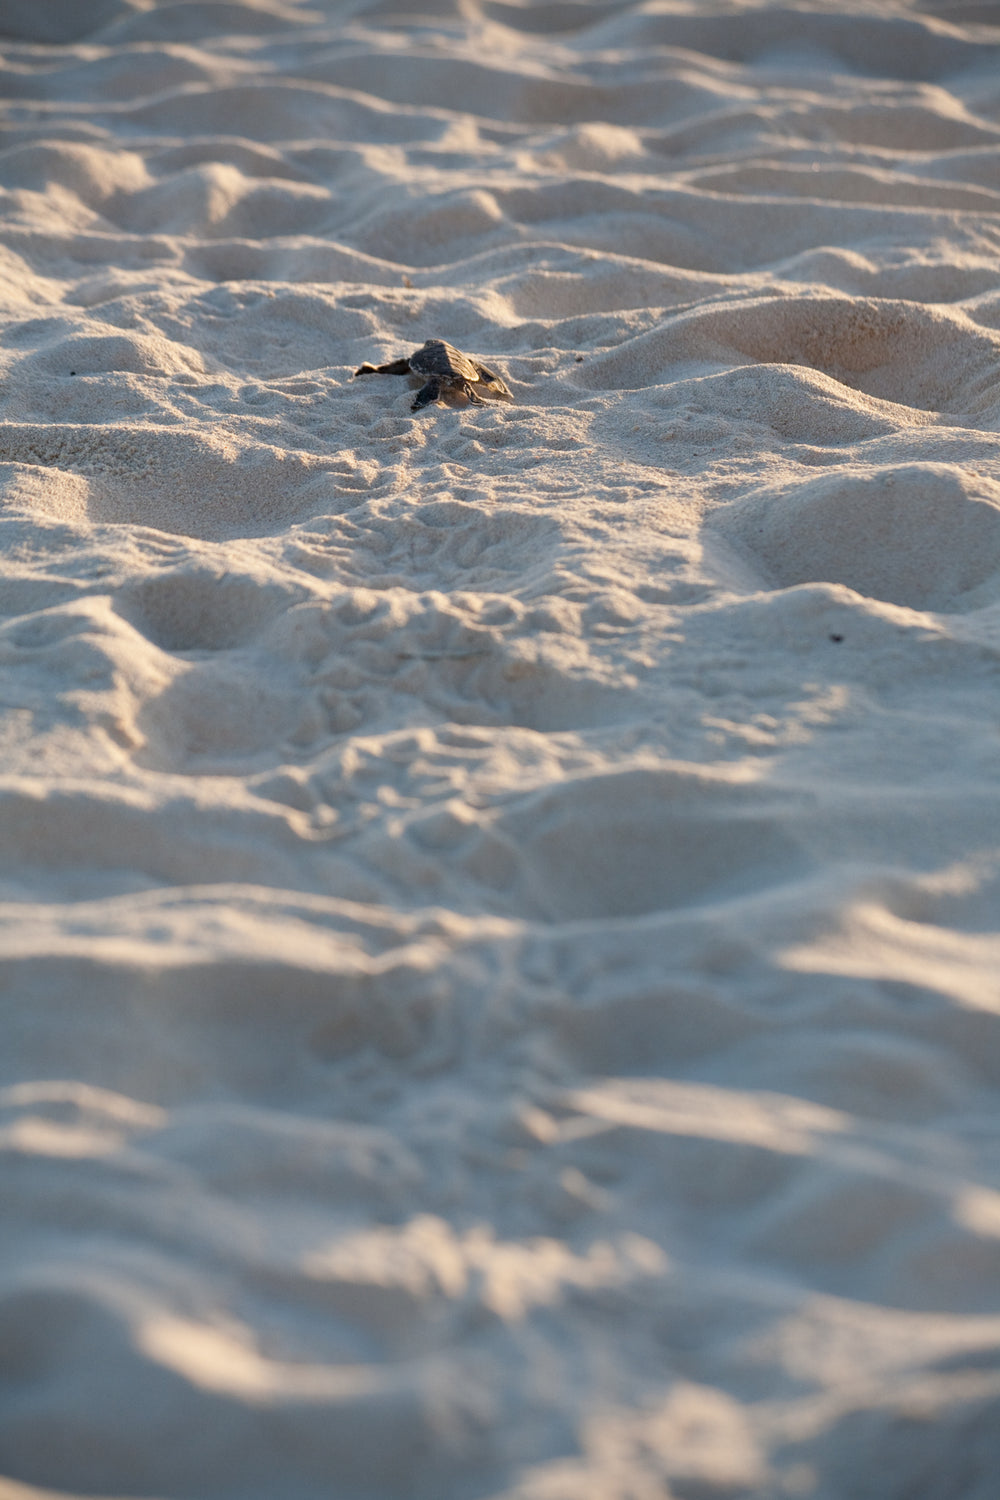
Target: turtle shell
438 358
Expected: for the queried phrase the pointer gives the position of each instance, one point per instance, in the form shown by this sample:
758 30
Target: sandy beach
500 903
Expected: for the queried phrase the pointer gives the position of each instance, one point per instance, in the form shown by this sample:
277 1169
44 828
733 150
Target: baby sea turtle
446 369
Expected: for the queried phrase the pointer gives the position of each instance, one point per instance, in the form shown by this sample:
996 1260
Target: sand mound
931 535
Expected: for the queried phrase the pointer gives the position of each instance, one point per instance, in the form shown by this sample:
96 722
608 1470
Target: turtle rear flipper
398 367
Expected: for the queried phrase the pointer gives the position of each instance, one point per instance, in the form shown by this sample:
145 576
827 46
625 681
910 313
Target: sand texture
500 905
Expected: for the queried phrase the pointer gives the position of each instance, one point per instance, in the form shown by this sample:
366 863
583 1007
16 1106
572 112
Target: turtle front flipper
427 394
398 367
470 392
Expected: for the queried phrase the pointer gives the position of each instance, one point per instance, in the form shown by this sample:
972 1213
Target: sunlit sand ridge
501 956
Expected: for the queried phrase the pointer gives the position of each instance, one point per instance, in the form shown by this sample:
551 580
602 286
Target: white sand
500 906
